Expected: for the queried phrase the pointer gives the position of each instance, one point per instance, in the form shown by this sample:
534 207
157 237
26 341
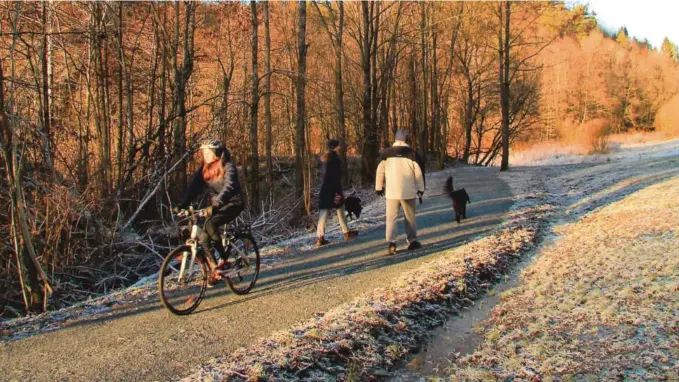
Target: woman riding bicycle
219 175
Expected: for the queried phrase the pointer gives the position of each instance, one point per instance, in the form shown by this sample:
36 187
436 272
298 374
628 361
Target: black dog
460 199
352 204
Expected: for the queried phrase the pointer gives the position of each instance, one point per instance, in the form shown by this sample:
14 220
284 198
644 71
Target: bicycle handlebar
190 212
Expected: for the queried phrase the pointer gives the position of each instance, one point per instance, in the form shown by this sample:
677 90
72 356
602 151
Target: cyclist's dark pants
210 237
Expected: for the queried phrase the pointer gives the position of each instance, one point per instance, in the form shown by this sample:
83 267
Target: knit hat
333 143
401 135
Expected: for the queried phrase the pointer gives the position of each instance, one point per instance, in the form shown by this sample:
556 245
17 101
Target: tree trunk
504 83
370 138
182 75
162 122
423 141
339 94
267 99
46 88
300 89
374 101
101 89
468 119
121 129
436 105
254 106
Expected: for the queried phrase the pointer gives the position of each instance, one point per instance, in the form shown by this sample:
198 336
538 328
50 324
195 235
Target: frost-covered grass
640 138
620 149
599 303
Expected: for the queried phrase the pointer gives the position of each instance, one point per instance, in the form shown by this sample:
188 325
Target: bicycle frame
193 241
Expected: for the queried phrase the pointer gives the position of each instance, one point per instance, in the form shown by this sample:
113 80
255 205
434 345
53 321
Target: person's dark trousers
210 237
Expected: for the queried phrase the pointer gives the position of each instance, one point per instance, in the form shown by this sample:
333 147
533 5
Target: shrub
667 117
592 136
596 134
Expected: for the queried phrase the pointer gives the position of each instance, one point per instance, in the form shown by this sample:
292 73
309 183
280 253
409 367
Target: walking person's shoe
350 235
414 245
392 249
321 241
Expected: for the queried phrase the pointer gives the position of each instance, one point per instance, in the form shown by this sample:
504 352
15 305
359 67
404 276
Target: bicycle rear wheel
183 280
245 264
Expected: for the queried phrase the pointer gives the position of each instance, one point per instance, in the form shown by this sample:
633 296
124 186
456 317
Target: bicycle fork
193 243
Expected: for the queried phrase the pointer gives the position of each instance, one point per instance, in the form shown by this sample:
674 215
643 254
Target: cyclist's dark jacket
225 191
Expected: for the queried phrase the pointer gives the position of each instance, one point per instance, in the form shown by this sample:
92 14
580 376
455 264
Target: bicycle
184 274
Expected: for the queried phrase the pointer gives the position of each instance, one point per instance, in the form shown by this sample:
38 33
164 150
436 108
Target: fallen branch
151 193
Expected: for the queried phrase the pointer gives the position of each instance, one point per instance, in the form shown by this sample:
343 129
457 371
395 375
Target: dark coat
224 191
331 166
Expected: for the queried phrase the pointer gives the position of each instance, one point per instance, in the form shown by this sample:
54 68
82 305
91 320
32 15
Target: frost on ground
561 154
368 336
600 303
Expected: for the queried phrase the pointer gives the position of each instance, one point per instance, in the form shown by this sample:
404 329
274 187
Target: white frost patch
555 155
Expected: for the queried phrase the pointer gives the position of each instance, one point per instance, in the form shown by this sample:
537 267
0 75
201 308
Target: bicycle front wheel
183 280
245 264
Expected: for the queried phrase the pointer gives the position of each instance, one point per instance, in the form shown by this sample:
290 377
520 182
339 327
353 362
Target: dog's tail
449 185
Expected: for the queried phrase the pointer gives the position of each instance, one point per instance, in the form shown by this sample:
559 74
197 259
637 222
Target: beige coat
403 174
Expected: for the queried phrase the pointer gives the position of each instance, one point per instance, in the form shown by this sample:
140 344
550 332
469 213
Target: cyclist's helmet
217 146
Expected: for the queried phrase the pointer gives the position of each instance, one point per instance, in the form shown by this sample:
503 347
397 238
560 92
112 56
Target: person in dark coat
219 176
332 195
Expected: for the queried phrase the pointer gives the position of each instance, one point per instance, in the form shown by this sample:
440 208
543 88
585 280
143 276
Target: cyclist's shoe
414 245
214 278
350 235
392 249
321 241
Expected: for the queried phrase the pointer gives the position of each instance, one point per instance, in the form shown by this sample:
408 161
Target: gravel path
142 341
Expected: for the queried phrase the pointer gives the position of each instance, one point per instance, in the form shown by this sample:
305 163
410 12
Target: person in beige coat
403 170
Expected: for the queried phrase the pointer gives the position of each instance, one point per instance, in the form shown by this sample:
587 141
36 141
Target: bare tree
182 75
503 46
254 106
336 37
369 150
267 97
300 89
29 260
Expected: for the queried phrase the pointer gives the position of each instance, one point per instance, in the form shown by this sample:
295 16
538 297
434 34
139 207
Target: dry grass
591 136
634 138
600 303
545 152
